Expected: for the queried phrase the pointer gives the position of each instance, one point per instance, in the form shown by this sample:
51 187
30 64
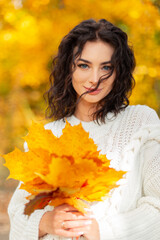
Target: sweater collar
73 120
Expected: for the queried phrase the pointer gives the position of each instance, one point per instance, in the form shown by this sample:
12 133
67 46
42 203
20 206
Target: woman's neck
84 112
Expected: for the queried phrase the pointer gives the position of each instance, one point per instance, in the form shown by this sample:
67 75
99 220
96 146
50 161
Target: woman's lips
94 92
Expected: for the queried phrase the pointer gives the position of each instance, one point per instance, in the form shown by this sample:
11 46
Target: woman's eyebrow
86 61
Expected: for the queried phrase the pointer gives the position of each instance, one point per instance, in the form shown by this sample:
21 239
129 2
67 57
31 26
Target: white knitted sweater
132 142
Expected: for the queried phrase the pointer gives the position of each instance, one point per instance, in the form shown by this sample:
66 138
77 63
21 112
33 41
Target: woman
90 83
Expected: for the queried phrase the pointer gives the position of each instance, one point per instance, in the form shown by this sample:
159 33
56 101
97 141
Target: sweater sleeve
22 226
143 222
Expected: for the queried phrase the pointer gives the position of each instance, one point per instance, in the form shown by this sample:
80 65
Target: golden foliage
67 169
30 32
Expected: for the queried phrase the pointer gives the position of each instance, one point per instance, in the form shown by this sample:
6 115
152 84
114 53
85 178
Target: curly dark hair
61 96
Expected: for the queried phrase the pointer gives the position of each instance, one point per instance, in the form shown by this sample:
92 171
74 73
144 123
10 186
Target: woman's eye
84 66
107 68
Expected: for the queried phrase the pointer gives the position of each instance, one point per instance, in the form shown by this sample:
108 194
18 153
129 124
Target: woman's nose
94 78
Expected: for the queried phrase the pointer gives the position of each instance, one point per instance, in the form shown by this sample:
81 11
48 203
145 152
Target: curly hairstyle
62 98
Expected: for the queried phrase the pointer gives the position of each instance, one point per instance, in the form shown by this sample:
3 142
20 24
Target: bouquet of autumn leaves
65 169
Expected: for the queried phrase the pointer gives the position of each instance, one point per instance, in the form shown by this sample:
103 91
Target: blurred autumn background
30 32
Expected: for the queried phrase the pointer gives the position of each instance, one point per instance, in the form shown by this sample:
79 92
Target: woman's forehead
98 50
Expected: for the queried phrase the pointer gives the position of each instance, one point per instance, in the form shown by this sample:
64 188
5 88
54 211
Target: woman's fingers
90 232
66 221
76 216
70 234
76 224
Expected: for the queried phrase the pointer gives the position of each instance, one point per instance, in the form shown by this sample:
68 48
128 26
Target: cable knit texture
132 142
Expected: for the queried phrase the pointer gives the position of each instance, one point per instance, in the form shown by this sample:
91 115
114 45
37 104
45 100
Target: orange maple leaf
65 169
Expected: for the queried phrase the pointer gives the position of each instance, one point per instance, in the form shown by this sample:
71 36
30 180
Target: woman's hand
67 221
90 231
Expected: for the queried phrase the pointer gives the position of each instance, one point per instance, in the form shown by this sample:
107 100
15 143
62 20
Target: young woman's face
93 63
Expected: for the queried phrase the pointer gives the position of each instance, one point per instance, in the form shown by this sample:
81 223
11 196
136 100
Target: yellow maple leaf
40 138
80 145
37 186
23 165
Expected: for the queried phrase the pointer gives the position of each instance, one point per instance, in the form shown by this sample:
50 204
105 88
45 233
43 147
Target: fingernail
88 222
80 233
